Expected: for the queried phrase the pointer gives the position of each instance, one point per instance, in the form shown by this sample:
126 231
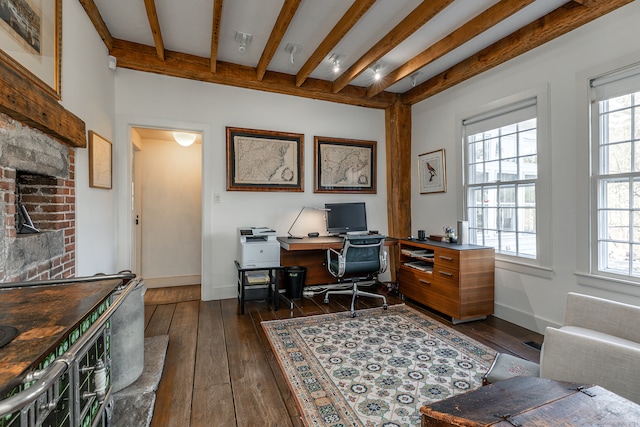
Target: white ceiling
186 27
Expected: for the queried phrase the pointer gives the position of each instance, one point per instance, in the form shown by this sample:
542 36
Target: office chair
360 255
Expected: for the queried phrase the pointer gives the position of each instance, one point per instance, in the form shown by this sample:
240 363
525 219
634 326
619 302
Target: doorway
166 205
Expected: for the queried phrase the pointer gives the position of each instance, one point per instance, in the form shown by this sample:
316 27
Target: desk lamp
313 234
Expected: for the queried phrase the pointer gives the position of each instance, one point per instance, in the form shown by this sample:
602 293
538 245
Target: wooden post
398 135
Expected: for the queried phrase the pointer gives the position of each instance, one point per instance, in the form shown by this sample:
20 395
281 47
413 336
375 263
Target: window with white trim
501 179
615 174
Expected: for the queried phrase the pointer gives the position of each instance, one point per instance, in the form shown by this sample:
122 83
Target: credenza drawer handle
425 282
444 273
445 258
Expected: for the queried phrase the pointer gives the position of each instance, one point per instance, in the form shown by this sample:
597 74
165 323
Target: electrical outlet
217 198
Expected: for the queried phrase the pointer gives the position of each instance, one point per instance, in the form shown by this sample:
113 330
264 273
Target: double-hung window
615 174
501 178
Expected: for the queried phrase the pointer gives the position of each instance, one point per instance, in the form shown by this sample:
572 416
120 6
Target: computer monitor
344 218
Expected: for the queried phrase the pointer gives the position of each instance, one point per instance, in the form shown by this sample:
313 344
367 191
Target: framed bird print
432 173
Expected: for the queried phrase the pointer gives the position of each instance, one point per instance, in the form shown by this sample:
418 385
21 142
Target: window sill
523 268
619 286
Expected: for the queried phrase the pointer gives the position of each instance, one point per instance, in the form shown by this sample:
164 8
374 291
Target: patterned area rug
376 369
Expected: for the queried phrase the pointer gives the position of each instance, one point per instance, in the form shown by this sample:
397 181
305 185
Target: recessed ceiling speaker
112 63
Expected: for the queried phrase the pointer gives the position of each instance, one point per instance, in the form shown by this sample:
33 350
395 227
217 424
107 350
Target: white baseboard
524 319
165 282
218 293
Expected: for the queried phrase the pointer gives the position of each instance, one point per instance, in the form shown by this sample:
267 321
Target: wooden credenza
456 280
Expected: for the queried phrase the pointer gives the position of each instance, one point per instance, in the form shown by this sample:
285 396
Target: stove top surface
7 333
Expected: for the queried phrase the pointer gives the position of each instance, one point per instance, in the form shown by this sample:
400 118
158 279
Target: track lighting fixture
377 71
413 78
336 59
244 39
292 49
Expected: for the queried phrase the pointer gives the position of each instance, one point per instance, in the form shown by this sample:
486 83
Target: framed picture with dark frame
344 165
264 160
99 161
432 171
30 41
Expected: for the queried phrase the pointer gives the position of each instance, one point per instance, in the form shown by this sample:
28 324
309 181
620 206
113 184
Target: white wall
171 214
145 99
564 66
88 92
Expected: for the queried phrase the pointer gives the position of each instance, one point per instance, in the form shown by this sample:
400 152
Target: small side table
272 287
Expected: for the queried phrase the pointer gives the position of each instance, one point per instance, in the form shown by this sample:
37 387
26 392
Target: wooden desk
532 401
311 252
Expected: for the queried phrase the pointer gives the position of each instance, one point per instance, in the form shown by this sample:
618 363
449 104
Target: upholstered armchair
599 343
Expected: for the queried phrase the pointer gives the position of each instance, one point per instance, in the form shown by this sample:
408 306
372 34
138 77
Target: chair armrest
609 317
384 261
335 256
567 356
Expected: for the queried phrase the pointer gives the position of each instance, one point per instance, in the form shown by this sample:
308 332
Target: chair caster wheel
353 314
326 300
385 306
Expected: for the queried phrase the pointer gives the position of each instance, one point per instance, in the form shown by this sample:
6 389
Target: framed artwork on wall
431 168
99 161
344 165
30 40
264 160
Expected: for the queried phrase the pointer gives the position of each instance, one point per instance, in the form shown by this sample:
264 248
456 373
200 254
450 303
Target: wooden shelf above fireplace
29 104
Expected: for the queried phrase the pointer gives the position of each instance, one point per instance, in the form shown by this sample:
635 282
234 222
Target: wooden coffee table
532 401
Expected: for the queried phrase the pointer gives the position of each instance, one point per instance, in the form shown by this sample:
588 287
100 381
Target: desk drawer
415 284
409 275
430 282
446 277
447 258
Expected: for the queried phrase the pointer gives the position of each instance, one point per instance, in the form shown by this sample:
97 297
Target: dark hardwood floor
220 370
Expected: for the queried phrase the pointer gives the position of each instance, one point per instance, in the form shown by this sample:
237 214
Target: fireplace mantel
27 103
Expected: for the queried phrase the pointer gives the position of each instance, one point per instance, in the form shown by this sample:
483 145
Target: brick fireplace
37 172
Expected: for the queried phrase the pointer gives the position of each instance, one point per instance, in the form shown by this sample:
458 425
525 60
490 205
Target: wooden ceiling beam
564 19
142 58
96 19
474 27
215 33
152 15
33 106
289 9
344 25
409 25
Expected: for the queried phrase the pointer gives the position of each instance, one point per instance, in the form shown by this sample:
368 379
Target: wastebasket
294 281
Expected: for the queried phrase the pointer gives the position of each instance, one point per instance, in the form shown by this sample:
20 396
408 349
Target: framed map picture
431 167
344 165
99 161
263 160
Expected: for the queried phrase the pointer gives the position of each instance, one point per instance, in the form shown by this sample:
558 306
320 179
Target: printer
258 247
